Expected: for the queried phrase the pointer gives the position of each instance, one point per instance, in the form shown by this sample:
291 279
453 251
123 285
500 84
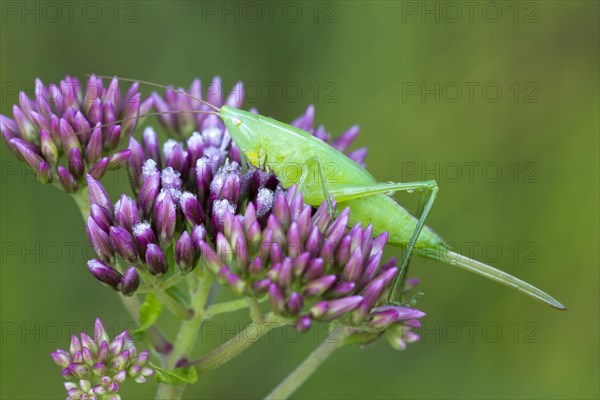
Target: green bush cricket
269 144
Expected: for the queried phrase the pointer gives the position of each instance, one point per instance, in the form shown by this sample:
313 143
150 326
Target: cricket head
244 128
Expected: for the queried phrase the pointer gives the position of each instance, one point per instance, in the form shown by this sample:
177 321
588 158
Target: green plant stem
294 380
82 200
178 309
229 306
236 345
256 313
200 285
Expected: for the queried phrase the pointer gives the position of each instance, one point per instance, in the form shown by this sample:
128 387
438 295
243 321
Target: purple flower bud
66 179
130 111
286 274
148 193
61 358
143 235
126 213
191 208
303 323
26 128
382 317
9 126
104 273
31 157
306 120
118 159
88 356
113 92
135 162
338 307
185 255
75 161
120 361
319 286
220 208
211 258
67 136
167 120
373 292
175 156
353 268
341 289
79 370
150 145
98 170
112 137
300 264
338 228
315 269
388 275
198 236
100 334
123 243
264 202
95 114
295 303
99 240
344 141
371 269
358 156
204 177
195 148
342 254
49 149
170 179
101 216
155 258
82 128
322 218
234 281
277 299
164 217
117 345
227 183
98 194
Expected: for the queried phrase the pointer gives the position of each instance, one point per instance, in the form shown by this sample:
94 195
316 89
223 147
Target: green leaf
178 376
149 312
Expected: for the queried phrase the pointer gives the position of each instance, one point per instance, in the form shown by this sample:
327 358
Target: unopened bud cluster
95 367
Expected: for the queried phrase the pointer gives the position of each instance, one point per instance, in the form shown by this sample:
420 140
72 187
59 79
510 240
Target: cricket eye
236 121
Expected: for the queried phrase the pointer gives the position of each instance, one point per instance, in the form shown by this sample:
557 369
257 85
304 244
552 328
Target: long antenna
160 86
149 115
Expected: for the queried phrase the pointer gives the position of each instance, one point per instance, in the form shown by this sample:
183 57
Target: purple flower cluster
193 202
95 367
66 131
308 263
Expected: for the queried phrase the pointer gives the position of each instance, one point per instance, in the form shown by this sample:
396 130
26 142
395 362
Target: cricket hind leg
355 192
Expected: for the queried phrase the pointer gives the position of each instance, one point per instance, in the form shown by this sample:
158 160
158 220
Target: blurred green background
394 68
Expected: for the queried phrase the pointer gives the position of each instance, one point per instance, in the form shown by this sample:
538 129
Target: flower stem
229 306
200 285
294 380
238 343
82 200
